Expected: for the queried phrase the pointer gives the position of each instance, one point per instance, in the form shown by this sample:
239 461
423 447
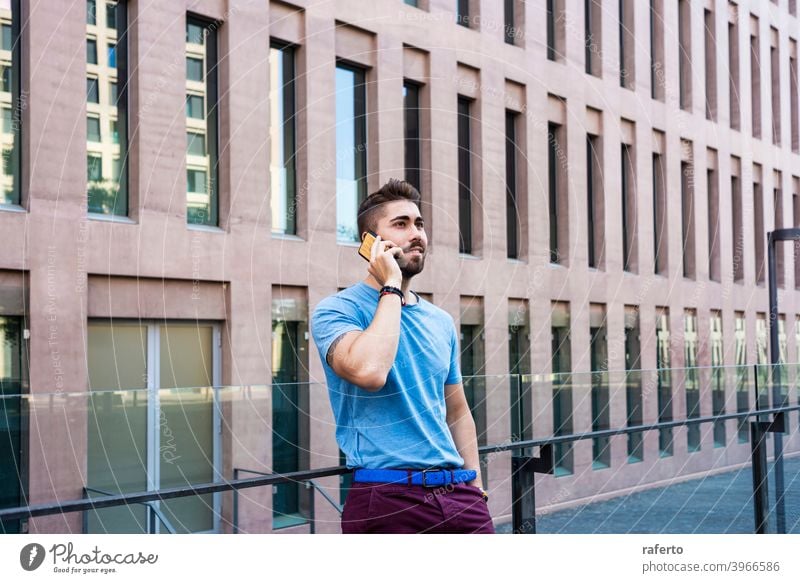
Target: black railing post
235 503
523 498
759 465
523 490
774 237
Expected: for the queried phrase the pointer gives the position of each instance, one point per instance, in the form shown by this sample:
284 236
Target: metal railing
154 512
523 469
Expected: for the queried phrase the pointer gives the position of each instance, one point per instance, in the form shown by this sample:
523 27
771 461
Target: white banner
400 558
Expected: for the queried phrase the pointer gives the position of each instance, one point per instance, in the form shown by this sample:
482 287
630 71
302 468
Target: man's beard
412 266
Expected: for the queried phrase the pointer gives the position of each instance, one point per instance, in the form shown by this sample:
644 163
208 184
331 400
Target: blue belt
416 477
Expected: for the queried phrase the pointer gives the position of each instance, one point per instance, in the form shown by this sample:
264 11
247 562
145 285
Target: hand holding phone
383 266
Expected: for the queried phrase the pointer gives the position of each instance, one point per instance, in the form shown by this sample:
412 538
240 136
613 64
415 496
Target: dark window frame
289 129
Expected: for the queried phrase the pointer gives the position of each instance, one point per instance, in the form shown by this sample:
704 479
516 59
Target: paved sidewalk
718 504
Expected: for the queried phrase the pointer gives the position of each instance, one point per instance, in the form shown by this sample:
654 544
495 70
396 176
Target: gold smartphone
367 240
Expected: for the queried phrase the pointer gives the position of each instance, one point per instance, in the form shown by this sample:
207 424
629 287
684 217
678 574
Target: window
595 202
777 209
283 139
557 188
627 38
351 149
111 14
797 351
733 66
92 90
687 211
462 12
196 32
692 380
93 129
762 361
94 169
91 12
794 118
194 69
289 405
657 73
195 144
473 360
712 187
717 377
664 381
510 28
413 135
685 53
737 216
556 29
755 77
562 386
519 355
465 174
775 76
782 398
633 383
512 208
91 51
8 122
202 207
108 194
742 373
7 39
759 234
711 65
660 231
175 451
10 58
12 349
196 181
194 107
628 193
598 343
796 221
593 37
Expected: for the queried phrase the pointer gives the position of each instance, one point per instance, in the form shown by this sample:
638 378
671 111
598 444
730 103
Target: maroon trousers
403 509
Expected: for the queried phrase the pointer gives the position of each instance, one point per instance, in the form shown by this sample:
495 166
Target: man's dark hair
370 212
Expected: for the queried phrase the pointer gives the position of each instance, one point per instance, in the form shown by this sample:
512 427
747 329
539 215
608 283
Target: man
391 362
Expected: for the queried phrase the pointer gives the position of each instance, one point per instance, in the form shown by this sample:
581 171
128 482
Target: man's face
402 225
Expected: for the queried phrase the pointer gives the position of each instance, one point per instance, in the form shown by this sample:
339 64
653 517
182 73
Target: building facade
179 190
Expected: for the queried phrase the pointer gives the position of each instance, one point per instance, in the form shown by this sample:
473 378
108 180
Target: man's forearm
375 349
462 428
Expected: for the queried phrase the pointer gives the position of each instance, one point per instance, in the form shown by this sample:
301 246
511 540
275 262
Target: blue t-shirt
403 425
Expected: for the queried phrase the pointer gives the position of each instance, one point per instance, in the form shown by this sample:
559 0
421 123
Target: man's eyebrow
404 218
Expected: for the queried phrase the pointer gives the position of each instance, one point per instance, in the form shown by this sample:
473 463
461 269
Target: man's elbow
371 383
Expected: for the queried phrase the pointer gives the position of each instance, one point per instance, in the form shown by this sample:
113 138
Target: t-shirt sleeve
454 376
332 318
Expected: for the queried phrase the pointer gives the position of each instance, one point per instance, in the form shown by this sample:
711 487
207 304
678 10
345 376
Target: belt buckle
425 473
